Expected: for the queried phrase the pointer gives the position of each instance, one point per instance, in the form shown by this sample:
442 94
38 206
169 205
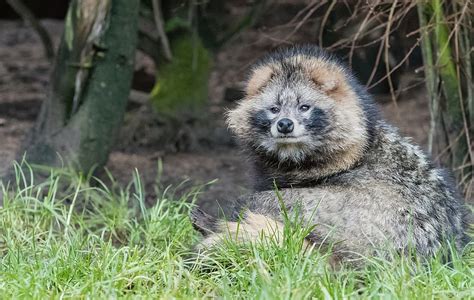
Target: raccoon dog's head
301 103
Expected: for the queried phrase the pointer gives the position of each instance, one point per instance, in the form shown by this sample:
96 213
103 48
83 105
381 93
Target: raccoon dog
313 130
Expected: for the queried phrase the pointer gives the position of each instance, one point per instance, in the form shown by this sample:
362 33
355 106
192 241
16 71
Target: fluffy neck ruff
316 168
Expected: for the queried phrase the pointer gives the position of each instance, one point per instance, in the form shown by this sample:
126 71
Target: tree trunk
90 84
448 77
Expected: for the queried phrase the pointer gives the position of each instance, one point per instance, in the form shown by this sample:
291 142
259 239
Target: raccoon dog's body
314 131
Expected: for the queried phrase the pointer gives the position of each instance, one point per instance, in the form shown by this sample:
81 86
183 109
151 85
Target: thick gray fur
389 198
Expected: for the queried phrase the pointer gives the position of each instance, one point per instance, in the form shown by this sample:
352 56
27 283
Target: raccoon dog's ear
328 78
258 79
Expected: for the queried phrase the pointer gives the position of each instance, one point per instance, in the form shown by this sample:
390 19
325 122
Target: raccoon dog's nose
285 126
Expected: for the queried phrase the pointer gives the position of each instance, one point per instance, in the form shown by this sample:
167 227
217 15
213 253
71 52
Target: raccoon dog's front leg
250 228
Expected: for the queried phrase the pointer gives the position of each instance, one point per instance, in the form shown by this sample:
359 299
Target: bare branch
158 16
27 15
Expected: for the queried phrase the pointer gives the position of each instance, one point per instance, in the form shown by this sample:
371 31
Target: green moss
181 85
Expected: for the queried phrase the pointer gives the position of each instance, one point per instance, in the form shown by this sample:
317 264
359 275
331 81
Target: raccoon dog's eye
304 107
275 109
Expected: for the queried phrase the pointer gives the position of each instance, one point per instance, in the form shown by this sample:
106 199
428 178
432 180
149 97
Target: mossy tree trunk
180 89
188 31
448 77
90 84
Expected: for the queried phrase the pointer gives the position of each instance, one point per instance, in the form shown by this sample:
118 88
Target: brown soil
24 77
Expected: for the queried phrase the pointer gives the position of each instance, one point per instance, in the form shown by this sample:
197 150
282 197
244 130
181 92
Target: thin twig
27 15
387 60
325 19
359 31
396 67
305 18
158 16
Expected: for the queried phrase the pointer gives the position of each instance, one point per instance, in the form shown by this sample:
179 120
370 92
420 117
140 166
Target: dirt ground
24 77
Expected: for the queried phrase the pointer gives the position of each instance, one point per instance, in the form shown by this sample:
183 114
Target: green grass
65 238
